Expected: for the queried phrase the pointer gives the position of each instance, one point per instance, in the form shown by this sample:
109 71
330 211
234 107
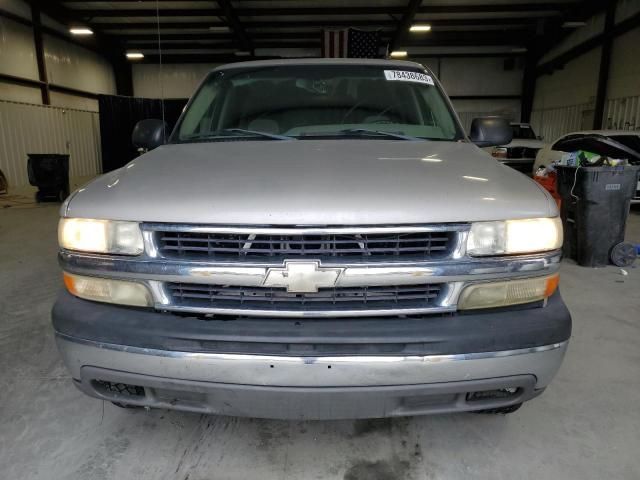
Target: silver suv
316 239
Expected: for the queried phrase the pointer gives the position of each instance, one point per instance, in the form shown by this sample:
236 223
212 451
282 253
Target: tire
501 410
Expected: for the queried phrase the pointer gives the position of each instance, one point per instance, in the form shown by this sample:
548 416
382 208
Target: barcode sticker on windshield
405 76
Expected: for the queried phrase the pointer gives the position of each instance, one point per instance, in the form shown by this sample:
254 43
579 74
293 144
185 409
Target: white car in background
521 152
612 143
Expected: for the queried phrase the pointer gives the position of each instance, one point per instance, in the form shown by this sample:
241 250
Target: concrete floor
585 426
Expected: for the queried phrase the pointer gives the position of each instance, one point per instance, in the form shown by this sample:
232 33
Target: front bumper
312 369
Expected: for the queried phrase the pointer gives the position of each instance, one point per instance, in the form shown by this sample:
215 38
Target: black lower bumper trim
427 335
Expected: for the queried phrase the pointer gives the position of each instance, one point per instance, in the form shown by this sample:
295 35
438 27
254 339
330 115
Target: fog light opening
115 389
499 394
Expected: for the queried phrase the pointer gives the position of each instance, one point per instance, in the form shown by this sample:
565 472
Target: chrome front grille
396 297
269 270
241 246
266 271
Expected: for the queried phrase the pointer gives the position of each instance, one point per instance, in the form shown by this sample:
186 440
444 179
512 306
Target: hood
523 142
312 182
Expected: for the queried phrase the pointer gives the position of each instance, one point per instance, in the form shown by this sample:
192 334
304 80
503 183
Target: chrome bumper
455 274
310 387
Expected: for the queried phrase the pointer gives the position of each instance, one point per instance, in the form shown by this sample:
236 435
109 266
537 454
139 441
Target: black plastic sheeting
118 116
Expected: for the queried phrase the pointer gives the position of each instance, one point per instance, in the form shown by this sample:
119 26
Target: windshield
318 101
523 132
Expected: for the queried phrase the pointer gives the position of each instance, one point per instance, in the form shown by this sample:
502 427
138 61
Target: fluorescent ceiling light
135 55
573 24
80 31
420 28
399 53
218 29
519 50
242 53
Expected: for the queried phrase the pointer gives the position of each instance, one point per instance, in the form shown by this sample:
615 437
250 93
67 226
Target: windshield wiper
365 131
229 132
255 133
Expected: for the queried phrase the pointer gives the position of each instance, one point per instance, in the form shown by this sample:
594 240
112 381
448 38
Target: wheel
623 254
501 410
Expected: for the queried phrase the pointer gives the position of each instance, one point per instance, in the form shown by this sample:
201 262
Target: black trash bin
595 206
50 173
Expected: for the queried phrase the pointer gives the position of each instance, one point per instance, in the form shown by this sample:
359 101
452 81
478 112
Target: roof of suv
322 61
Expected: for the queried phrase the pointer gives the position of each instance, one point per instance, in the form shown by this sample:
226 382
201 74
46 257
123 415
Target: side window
199 116
438 114
553 147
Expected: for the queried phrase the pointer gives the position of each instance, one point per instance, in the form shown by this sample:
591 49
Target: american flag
334 43
351 43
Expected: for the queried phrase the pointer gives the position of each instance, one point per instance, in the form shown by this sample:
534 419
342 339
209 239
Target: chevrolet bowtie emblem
302 277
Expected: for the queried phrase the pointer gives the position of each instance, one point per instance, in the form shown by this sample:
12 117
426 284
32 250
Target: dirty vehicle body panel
322 276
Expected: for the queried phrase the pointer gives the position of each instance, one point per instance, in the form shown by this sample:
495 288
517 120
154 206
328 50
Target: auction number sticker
405 76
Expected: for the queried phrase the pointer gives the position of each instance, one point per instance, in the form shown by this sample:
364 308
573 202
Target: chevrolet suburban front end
318 239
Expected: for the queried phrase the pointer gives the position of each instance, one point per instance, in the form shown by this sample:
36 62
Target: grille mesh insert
365 298
218 245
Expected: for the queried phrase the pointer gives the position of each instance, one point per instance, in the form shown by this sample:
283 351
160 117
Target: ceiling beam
39 51
234 23
594 42
228 58
517 37
214 58
50 31
402 28
185 41
221 46
97 42
605 65
494 23
554 34
346 10
225 36
206 36
200 58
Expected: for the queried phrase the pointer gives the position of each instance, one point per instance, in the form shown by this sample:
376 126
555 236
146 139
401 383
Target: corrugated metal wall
622 114
551 123
26 128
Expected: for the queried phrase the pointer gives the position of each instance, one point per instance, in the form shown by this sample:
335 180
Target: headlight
100 236
514 236
510 292
110 291
499 152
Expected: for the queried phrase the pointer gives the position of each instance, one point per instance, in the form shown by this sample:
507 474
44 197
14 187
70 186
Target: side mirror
490 131
149 134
